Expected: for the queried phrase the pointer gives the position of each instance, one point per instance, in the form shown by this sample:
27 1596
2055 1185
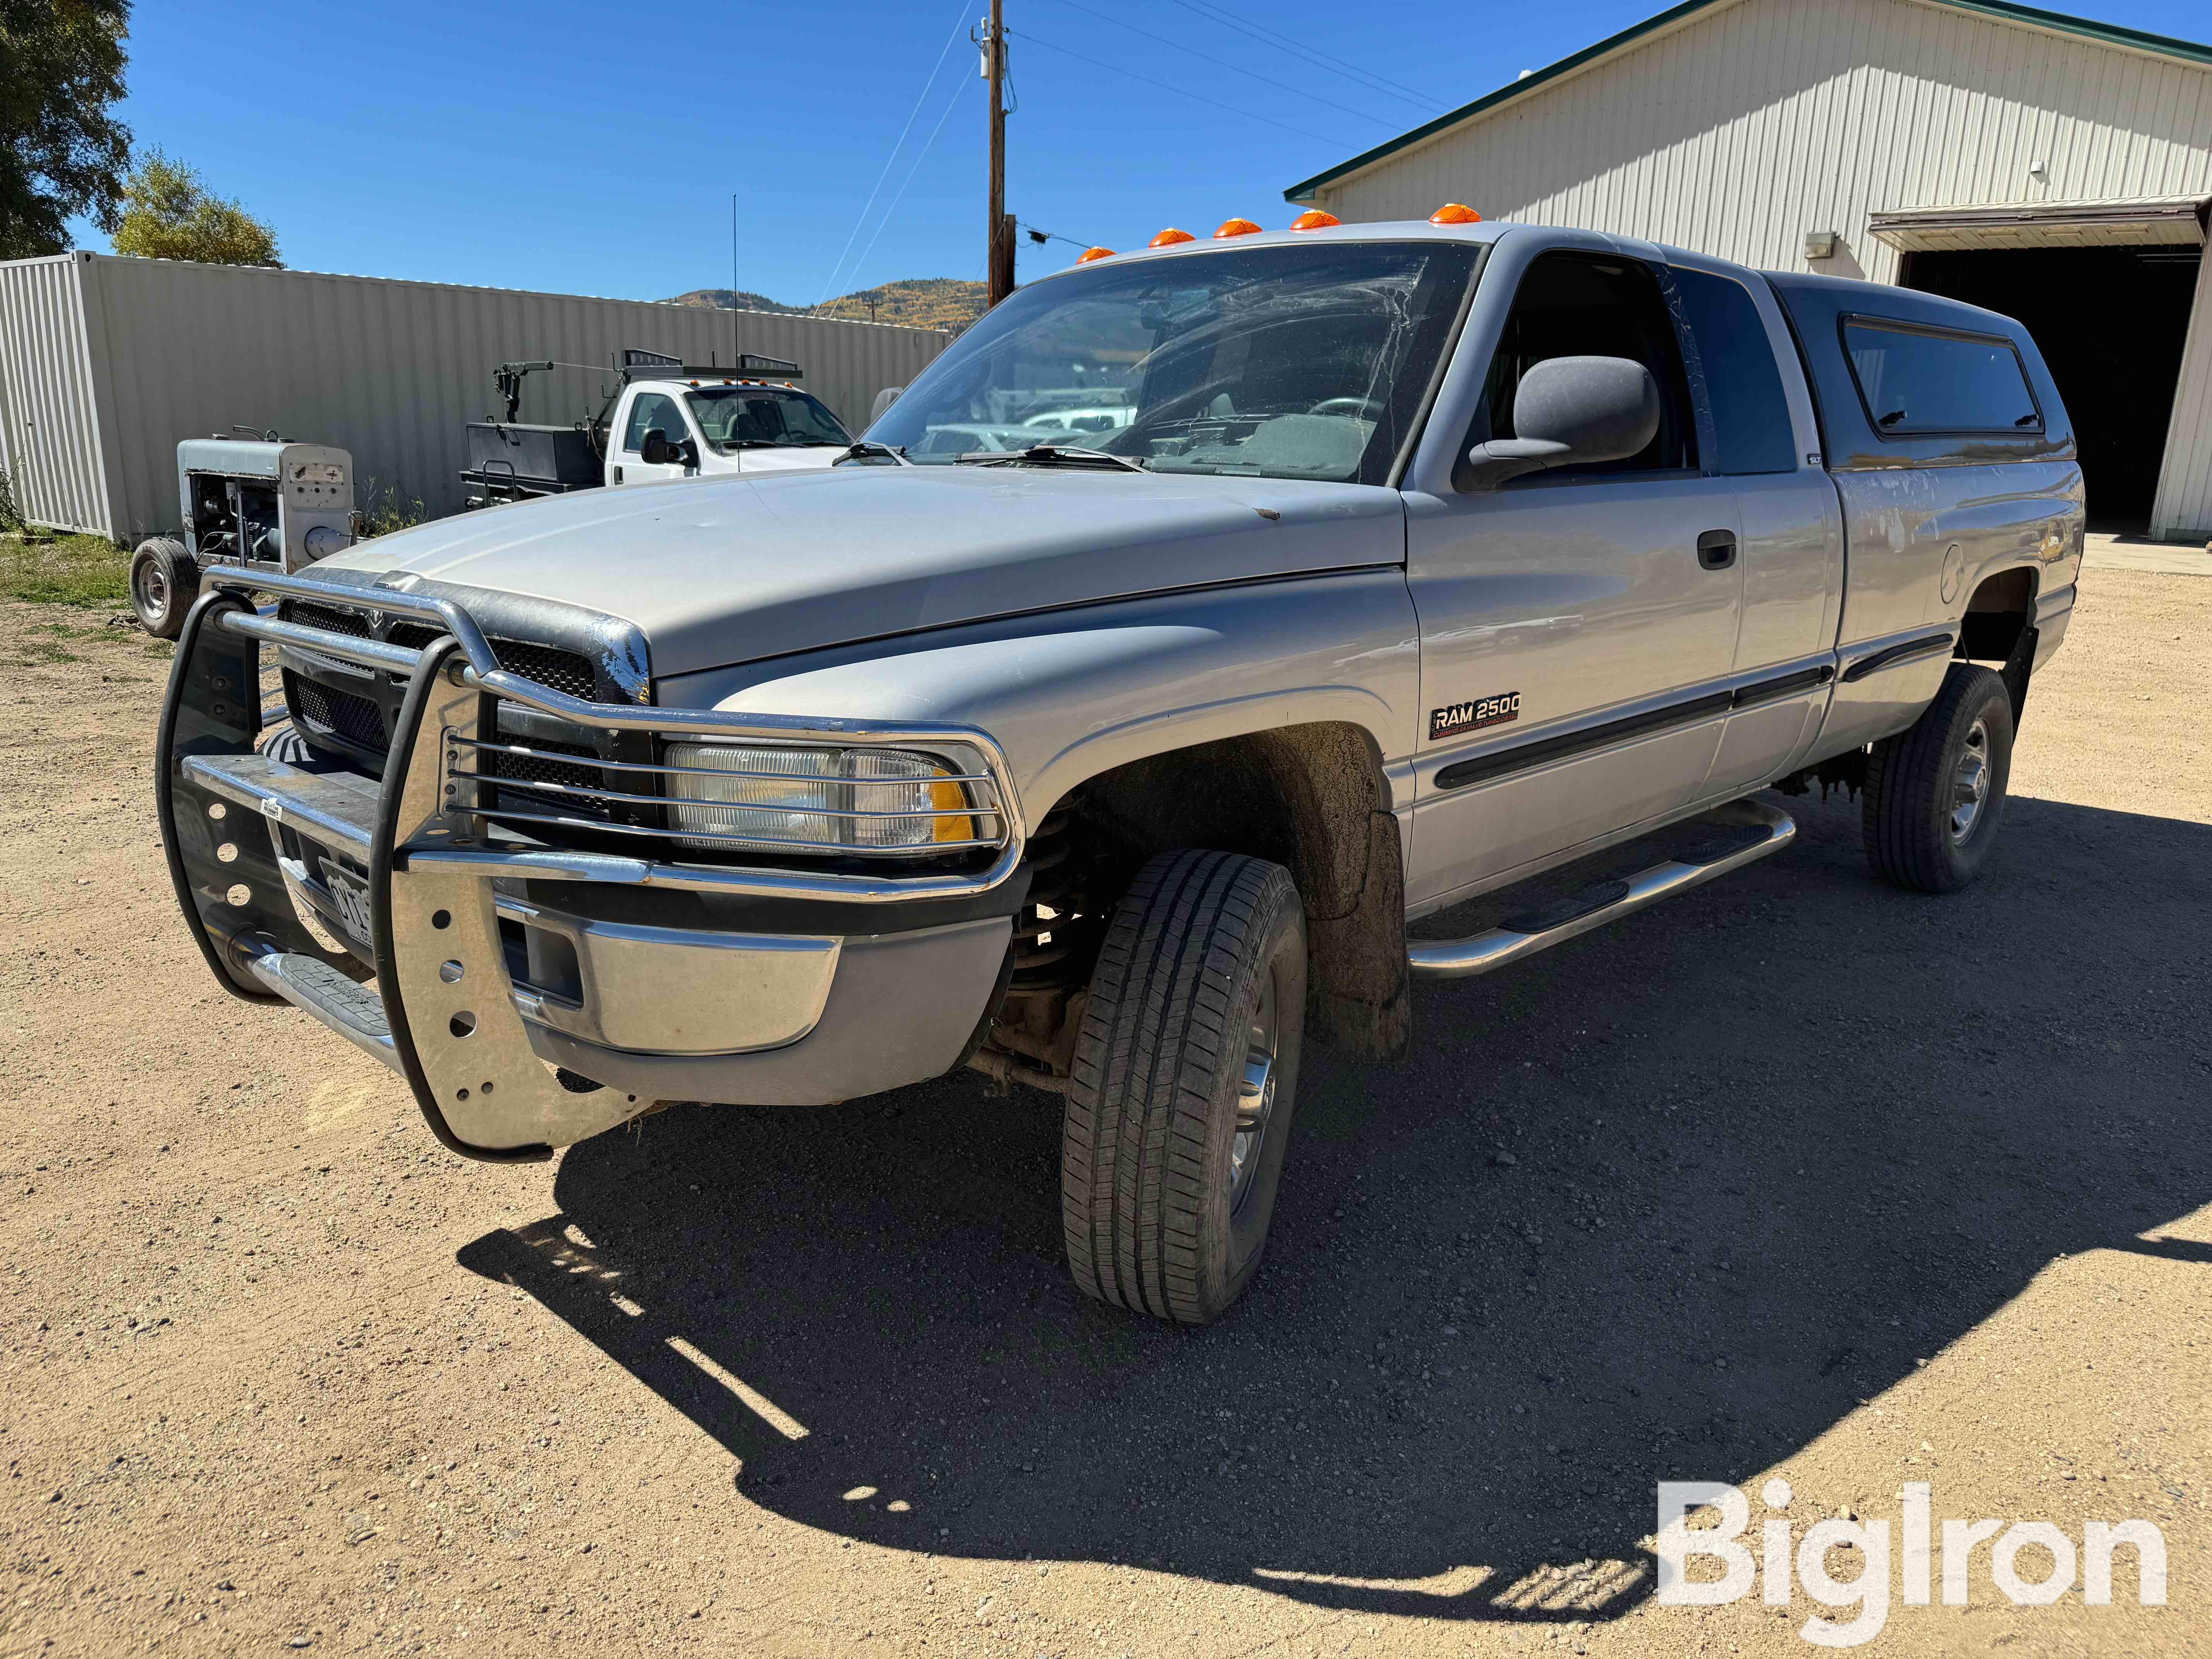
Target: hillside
730 299
944 303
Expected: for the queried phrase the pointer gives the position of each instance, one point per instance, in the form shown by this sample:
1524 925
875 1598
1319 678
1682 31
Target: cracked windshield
1290 362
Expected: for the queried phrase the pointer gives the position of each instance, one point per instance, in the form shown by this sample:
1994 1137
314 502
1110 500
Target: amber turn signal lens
1170 237
1453 213
1236 227
1091 254
1315 219
948 798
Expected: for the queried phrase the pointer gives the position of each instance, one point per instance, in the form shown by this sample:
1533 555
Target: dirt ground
1798 1175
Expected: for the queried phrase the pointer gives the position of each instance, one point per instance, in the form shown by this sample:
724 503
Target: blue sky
594 148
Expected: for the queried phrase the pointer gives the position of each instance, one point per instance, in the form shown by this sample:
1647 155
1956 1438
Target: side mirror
688 453
656 450
1569 411
885 399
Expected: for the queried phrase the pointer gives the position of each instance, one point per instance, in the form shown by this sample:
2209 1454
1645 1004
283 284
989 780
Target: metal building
106 362
2055 169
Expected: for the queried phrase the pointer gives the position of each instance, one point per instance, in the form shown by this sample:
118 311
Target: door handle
1717 549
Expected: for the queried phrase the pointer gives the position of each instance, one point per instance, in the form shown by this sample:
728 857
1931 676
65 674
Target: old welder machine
260 501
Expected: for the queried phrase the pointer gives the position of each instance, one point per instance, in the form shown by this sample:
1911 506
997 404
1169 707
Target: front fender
1071 694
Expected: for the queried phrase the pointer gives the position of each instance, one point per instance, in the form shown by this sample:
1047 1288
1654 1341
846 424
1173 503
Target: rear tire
1185 1077
1936 792
164 582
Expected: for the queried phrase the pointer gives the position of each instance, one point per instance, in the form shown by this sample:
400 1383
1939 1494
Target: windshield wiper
1048 455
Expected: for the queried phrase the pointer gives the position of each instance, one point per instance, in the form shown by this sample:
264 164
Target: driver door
650 411
1577 625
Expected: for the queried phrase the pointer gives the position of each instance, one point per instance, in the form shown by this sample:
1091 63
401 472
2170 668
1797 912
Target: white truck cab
718 423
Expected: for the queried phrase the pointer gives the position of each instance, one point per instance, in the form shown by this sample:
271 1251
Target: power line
1250 115
1334 66
1223 63
952 104
935 70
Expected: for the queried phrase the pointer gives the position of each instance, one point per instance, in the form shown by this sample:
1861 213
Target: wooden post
1000 227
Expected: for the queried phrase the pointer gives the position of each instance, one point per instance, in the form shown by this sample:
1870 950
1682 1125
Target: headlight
825 800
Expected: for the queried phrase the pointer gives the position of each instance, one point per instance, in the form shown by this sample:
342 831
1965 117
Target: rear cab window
1752 428
1913 379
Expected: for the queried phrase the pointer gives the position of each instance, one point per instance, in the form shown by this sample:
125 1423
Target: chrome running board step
1730 846
347 1007
333 808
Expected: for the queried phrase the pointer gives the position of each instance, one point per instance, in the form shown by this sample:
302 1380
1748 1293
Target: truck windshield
1303 361
763 417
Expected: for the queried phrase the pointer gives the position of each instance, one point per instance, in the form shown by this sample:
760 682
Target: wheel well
2001 609
1310 798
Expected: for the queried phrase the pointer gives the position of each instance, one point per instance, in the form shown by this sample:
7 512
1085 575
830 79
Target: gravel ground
1797 1175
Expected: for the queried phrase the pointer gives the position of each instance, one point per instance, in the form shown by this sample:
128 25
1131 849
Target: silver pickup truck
1429 559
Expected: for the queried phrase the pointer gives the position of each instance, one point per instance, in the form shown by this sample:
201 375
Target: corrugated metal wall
392 371
1742 128
49 435
2183 506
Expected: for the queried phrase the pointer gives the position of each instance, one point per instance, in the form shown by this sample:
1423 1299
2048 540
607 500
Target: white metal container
106 363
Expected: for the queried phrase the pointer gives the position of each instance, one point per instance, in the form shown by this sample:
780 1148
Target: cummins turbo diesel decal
1473 716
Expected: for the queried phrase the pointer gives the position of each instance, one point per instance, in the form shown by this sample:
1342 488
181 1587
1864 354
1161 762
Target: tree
61 152
168 213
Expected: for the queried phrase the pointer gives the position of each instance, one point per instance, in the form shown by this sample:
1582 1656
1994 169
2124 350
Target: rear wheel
1936 791
1185 1077
164 582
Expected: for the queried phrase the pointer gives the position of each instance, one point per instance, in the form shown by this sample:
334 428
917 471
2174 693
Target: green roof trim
2111 34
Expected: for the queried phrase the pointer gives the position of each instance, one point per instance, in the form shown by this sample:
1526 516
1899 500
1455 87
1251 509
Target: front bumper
532 987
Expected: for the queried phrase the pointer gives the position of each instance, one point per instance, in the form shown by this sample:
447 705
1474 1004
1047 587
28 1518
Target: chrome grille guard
433 837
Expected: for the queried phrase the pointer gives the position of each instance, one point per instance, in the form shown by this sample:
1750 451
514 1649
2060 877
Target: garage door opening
2110 322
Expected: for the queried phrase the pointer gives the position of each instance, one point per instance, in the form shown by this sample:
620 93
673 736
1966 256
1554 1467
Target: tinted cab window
1752 431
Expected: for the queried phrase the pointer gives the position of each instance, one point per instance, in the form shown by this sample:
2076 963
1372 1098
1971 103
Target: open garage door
2105 289
2112 322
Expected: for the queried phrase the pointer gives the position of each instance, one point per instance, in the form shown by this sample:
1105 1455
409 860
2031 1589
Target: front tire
1936 791
1185 1077
164 582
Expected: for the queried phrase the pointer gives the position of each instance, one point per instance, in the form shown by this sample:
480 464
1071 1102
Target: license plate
350 895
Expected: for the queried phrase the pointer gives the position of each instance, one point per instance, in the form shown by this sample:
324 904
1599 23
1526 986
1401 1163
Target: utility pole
999 232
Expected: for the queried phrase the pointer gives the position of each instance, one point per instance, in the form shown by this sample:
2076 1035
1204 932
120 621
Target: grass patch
87 571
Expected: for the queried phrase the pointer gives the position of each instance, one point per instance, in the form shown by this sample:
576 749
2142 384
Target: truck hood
715 571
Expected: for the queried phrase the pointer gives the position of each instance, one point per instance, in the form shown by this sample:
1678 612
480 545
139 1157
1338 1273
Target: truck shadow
1667 1202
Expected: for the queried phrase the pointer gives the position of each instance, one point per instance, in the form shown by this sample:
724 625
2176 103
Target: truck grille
362 722
356 719
532 769
329 619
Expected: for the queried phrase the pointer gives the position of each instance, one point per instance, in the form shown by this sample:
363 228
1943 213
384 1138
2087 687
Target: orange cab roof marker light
1236 227
1170 237
1315 219
1091 254
1454 213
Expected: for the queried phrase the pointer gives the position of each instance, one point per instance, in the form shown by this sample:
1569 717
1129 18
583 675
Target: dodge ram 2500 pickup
1430 559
